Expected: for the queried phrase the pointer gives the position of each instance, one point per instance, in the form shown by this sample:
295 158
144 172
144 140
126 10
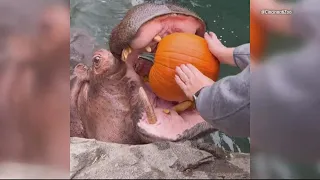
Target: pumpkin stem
147 56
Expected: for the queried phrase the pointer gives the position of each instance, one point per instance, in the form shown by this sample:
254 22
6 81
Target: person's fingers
180 83
181 74
214 43
194 70
210 42
207 37
213 35
214 38
187 71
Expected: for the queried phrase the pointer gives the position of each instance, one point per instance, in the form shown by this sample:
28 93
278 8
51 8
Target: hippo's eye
96 60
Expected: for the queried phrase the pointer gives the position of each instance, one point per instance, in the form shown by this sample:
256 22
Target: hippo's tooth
157 38
148 49
167 111
182 106
151 116
125 53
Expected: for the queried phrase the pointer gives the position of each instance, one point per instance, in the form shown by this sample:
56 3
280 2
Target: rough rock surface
91 159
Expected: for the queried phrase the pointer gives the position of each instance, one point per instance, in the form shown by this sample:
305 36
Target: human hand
191 80
224 54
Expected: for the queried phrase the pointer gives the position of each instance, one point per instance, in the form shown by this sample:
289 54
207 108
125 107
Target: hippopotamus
113 100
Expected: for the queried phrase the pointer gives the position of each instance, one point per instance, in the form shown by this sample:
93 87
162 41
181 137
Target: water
229 19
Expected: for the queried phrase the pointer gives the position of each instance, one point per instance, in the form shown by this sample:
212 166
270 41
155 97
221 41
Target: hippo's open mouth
162 118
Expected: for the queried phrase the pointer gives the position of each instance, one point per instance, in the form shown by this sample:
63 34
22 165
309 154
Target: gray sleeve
226 104
285 113
241 56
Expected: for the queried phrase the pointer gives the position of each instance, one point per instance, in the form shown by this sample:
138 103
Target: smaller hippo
106 98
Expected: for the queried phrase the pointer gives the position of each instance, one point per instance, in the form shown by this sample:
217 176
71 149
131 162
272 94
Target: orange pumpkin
257 38
174 50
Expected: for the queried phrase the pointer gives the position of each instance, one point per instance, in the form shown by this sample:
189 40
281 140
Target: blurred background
279 42
34 89
284 91
227 18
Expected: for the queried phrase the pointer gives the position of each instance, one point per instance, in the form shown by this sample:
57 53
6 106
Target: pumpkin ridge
158 64
187 51
177 60
162 65
156 76
172 52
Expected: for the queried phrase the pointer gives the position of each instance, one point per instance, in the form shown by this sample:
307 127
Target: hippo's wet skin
135 109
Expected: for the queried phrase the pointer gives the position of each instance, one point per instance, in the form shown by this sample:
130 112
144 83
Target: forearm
238 56
226 104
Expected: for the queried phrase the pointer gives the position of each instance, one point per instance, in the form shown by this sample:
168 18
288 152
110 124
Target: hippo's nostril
96 59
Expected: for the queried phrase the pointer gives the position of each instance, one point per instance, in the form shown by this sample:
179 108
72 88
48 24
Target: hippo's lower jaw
156 122
160 125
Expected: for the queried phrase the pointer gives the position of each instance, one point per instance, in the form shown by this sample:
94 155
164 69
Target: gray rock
91 159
